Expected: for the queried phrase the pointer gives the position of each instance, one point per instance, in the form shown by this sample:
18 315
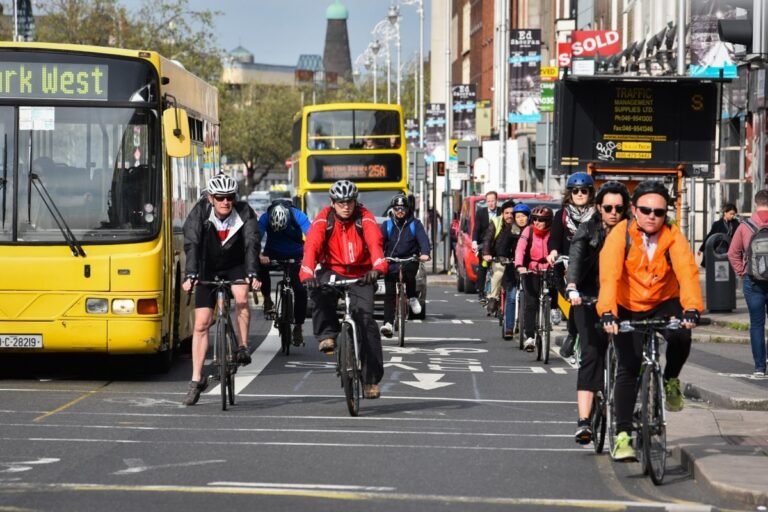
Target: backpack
391 225
757 252
331 222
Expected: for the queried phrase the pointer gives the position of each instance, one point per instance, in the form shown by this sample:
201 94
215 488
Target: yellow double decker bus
104 151
361 142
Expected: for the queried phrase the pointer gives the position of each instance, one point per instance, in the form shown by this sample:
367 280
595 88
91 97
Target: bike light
123 306
147 307
96 306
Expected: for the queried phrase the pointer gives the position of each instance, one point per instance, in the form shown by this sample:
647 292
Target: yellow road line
70 403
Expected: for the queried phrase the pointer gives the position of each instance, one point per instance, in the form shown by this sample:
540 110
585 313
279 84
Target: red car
466 260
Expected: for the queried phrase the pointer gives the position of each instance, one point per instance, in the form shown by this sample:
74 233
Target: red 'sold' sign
589 43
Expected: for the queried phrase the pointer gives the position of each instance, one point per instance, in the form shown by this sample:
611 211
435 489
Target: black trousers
482 273
531 284
629 356
325 322
594 343
299 292
390 282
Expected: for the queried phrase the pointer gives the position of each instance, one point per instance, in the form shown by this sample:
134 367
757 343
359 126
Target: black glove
607 319
370 277
311 283
192 278
691 316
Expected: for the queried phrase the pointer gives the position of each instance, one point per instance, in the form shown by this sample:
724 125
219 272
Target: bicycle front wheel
350 375
546 336
598 422
609 377
653 430
402 313
222 359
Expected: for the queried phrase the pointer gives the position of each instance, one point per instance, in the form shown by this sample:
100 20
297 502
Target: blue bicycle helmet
580 179
522 208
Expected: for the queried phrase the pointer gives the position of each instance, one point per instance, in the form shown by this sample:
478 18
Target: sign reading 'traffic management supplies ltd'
39 80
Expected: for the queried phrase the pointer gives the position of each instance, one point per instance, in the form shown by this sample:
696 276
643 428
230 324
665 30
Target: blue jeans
756 296
509 313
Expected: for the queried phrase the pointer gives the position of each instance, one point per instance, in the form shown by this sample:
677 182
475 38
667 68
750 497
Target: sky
278 31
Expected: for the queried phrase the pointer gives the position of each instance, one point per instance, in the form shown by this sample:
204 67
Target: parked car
466 260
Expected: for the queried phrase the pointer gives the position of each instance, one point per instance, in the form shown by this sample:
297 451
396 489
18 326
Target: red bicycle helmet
544 212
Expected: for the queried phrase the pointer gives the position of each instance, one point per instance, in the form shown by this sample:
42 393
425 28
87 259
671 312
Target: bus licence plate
21 341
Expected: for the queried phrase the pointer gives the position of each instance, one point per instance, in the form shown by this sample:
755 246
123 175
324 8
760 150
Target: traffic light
749 32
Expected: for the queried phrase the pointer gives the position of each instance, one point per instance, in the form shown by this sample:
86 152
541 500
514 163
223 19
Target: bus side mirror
176 132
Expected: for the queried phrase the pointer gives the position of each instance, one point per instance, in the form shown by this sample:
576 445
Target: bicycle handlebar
340 283
217 283
655 323
290 261
401 260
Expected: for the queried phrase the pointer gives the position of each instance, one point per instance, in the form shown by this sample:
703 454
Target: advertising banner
524 75
464 109
434 135
595 43
548 79
709 55
412 132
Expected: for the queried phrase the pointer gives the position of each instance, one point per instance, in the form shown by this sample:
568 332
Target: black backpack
757 252
331 223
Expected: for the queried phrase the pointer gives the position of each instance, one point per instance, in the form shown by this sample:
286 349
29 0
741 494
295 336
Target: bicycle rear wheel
654 431
598 422
609 376
231 363
222 355
402 313
519 318
350 375
285 318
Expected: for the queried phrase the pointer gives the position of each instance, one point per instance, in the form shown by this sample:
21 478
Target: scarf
576 215
540 232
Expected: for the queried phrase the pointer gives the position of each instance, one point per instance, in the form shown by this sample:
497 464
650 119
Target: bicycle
401 298
501 312
603 412
348 365
225 342
543 322
284 306
650 428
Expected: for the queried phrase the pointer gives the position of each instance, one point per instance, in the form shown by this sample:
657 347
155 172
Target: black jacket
400 242
721 226
503 246
584 256
204 252
482 221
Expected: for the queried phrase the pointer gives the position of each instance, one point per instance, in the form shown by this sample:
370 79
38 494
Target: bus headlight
123 306
96 306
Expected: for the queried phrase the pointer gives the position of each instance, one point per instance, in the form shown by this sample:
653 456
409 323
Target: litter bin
720 278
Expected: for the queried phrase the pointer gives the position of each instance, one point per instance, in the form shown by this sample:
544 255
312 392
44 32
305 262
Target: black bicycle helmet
343 190
651 187
399 200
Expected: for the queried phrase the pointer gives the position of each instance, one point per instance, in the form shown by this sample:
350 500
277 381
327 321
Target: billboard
464 107
647 123
434 134
524 75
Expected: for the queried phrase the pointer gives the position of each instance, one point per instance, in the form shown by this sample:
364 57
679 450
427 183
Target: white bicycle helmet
222 184
343 190
278 218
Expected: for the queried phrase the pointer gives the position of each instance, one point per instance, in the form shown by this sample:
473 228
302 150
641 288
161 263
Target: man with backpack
647 270
346 242
748 255
284 227
404 236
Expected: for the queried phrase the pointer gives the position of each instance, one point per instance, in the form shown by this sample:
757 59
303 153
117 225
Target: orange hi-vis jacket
636 284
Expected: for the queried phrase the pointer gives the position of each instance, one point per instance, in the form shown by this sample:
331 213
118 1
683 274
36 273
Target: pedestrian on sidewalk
743 254
727 224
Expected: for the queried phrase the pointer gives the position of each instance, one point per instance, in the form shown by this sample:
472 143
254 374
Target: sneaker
193 391
297 337
758 373
415 305
674 398
492 306
243 357
327 346
482 299
583 431
622 448
371 391
386 330
509 333
529 344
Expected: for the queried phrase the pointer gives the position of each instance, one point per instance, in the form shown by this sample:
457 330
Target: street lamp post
420 78
394 18
375 47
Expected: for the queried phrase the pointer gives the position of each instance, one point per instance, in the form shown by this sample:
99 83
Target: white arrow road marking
137 465
427 381
21 466
260 358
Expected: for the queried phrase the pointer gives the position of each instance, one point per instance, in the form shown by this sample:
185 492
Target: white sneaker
529 344
415 305
386 330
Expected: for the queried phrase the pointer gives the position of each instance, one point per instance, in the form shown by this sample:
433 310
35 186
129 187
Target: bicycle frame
400 297
284 288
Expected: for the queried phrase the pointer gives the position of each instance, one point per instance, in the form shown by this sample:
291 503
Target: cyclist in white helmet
221 239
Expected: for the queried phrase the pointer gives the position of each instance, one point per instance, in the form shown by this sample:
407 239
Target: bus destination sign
371 168
56 81
638 123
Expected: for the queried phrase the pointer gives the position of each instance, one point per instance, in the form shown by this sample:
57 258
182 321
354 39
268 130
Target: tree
166 26
256 123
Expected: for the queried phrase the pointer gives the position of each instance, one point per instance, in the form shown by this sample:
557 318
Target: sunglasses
657 212
580 190
399 208
346 202
537 218
608 208
224 198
